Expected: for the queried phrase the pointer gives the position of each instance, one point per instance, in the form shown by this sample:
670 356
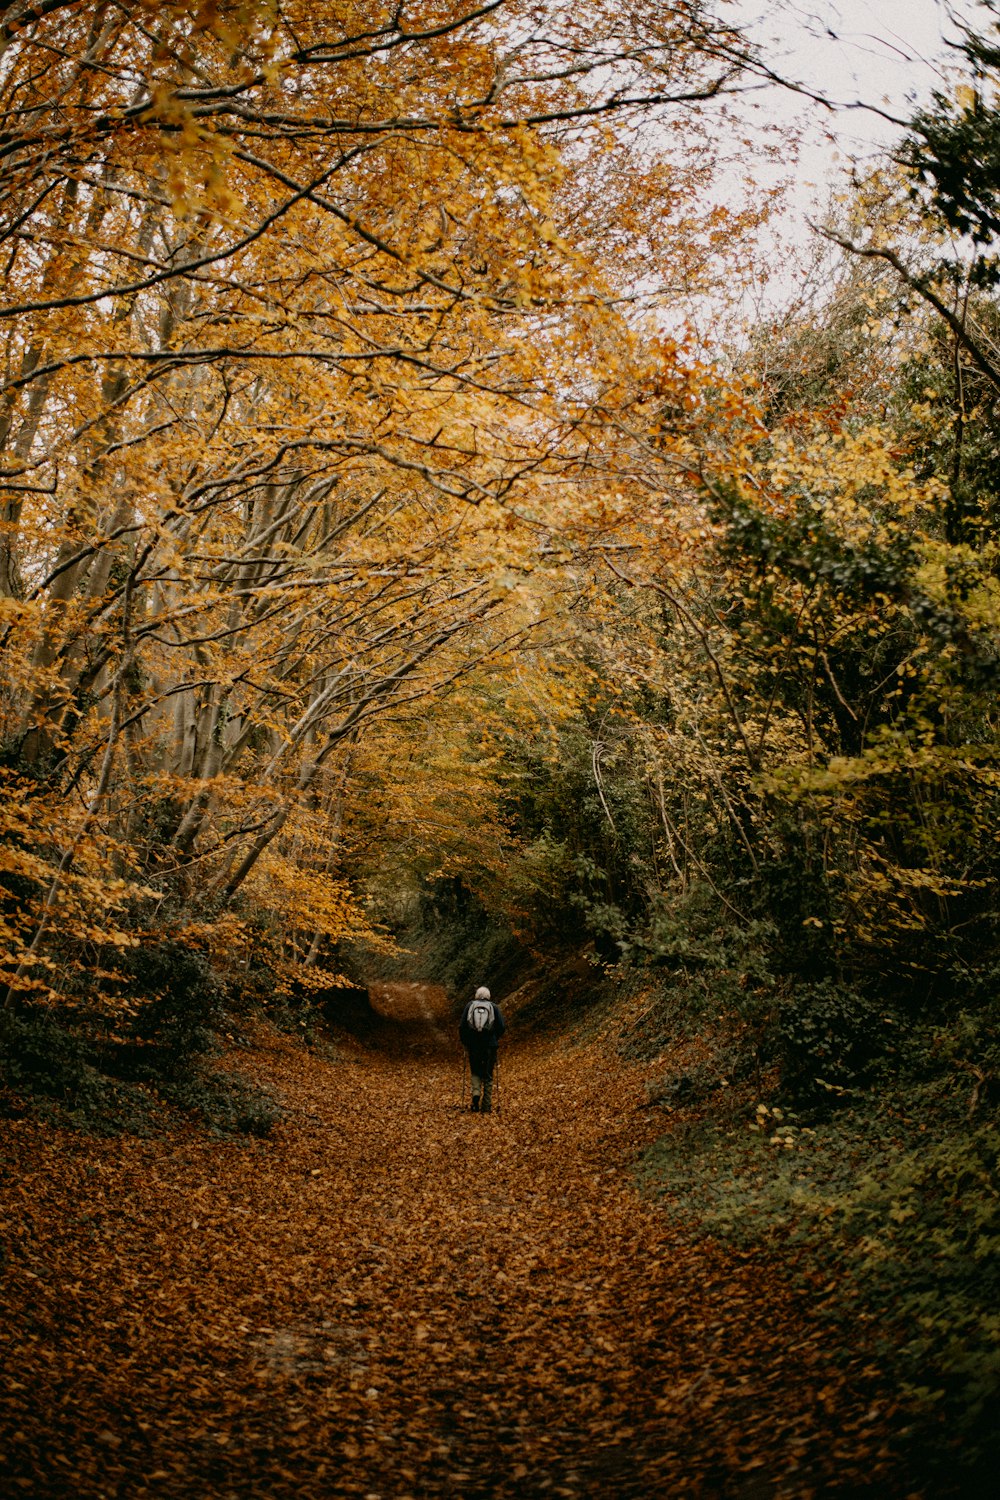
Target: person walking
480 1029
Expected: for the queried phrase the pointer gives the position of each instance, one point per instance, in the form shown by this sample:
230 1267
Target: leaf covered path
392 1297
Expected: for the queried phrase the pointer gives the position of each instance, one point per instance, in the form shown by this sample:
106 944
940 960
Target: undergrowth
883 1204
125 1064
66 1070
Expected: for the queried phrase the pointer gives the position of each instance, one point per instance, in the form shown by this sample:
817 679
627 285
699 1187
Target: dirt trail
392 1297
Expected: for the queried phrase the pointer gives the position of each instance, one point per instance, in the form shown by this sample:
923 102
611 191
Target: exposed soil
393 1297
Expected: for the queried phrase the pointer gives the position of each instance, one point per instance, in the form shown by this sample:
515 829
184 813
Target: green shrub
181 1003
826 1039
51 1063
113 1068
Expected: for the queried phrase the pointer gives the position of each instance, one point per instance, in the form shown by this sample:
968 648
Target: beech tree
311 314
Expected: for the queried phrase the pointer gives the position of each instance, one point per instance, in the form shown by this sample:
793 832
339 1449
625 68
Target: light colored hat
482 993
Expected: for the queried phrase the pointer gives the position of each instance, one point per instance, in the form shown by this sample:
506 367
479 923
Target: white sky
885 53
878 51
889 54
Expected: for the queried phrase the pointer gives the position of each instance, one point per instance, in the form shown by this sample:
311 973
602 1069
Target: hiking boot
474 1106
487 1107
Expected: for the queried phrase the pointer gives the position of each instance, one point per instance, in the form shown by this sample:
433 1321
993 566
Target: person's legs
487 1076
481 1068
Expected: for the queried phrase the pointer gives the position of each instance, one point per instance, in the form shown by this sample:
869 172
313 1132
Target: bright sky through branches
886 54
875 61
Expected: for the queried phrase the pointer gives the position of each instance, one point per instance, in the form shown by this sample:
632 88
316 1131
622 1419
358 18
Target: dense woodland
418 556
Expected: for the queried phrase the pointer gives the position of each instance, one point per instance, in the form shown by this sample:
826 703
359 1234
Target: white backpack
481 1015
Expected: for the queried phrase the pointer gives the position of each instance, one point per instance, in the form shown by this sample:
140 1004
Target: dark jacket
481 1041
